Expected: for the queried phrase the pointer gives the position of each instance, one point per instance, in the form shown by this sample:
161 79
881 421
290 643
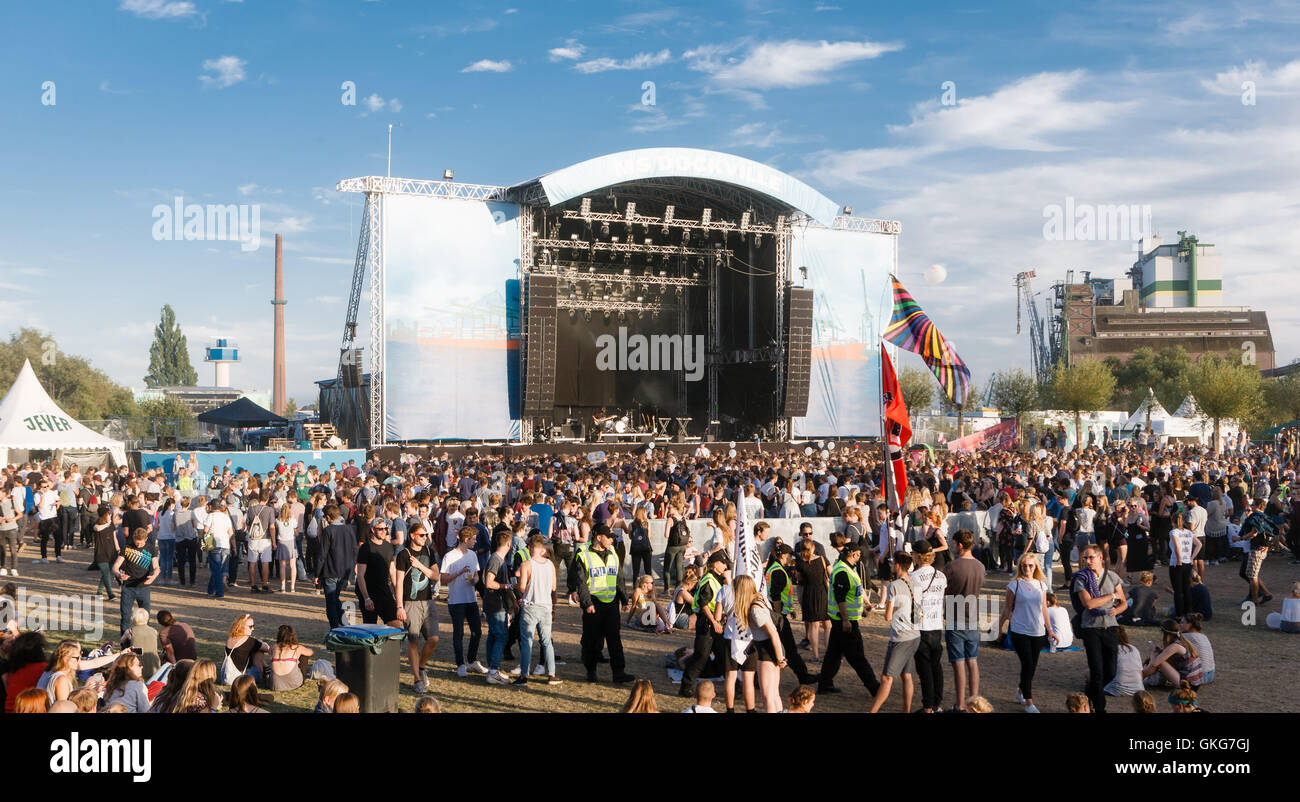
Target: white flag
748 563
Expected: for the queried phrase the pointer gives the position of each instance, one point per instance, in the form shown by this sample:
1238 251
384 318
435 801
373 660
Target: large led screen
450 346
848 272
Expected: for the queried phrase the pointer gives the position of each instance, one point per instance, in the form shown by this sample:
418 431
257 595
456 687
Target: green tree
1015 392
1087 385
917 387
974 400
78 388
1165 372
290 408
1226 389
1283 398
169 355
169 414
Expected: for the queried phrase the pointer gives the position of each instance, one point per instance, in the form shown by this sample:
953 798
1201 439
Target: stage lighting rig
706 216
586 206
630 211
669 210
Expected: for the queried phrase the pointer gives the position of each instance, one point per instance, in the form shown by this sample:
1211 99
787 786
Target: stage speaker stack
352 368
539 355
798 353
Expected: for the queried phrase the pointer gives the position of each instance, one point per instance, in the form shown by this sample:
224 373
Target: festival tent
30 420
1157 414
241 414
1189 408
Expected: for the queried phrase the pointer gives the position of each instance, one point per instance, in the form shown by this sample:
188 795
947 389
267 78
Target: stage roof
709 165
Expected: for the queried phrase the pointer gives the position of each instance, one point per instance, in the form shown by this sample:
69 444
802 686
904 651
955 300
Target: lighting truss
611 305
621 247
868 225
572 271
430 189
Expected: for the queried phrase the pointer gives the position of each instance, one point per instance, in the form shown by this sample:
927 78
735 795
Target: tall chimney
277 389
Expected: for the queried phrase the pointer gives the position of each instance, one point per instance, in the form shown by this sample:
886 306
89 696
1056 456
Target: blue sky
240 103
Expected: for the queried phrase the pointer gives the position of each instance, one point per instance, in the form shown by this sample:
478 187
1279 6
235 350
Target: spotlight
613 239
706 216
758 240
573 237
448 175
604 229
744 221
631 210
669 210
640 298
848 211
686 236
606 317
803 273
586 206
663 272
622 317
664 231
573 315
586 316
627 271
649 241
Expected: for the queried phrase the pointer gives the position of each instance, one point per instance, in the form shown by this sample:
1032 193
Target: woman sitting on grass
645 612
1176 661
243 696
286 660
126 684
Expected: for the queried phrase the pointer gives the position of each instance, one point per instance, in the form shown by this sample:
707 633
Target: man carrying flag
898 431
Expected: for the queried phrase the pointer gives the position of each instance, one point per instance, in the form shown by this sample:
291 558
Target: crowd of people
482 538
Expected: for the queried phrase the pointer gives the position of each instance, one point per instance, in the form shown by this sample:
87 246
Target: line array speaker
798 352
539 355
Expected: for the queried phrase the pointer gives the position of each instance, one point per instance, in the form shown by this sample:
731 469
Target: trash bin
368 659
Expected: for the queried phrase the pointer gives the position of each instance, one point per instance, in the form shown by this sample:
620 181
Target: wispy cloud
639 21
640 61
572 51
105 88
159 9
1281 81
783 65
488 65
649 119
225 71
374 103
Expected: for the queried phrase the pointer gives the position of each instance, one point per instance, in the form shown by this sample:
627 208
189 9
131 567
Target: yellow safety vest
602 574
709 580
852 602
787 604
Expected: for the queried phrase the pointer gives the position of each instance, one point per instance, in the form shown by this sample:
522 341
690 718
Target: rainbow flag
912 329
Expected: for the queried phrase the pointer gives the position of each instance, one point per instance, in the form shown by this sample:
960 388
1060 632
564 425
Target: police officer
778 591
709 620
600 598
844 607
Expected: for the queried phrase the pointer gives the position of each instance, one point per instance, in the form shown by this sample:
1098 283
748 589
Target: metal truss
574 272
611 305
431 189
869 225
782 289
711 225
375 230
349 396
623 247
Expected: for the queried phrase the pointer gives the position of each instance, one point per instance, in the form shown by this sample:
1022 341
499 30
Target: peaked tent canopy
1189 408
242 414
30 420
1139 416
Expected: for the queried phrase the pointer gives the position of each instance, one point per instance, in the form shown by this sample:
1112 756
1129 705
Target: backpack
256 531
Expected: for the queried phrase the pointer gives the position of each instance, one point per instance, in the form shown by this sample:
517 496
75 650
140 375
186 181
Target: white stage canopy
30 420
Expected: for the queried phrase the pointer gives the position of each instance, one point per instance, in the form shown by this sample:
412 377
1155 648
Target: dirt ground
1250 658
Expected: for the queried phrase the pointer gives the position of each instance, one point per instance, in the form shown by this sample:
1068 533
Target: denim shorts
963 644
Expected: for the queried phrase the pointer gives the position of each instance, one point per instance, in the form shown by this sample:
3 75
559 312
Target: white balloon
650 445
807 452
830 446
733 444
731 453
825 453
935 274
1042 453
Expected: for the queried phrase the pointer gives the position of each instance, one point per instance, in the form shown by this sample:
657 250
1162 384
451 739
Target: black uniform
602 626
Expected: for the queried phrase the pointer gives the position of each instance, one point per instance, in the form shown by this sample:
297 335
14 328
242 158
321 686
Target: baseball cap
380 522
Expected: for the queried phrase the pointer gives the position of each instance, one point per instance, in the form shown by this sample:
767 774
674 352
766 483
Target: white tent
1157 413
29 419
1189 408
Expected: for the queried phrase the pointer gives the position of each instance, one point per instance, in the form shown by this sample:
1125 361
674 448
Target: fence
145 433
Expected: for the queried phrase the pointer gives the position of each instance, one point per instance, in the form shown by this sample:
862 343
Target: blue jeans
498 631
217 571
1047 561
460 613
333 588
166 554
535 618
130 597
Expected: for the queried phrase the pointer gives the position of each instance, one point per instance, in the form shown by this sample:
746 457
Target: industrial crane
1040 350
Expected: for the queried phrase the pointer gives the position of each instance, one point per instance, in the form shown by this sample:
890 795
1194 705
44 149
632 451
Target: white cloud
783 65
159 9
759 135
227 71
394 105
640 61
824 7
1282 81
488 65
512 11
105 88
247 189
571 51
651 119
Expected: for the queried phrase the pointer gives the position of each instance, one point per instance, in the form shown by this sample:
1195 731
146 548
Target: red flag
898 428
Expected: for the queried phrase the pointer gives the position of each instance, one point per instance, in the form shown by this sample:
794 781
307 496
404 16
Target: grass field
1250 658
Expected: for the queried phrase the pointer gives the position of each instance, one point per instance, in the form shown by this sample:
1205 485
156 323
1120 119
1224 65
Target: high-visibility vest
710 581
852 602
602 574
787 605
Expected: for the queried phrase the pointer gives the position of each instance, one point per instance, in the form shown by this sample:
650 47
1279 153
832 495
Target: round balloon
807 452
825 453
731 453
830 446
935 274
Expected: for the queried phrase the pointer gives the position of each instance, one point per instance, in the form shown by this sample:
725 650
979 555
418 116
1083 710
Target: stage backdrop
849 274
449 344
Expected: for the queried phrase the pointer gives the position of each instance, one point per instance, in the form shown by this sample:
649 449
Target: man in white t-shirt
47 514
460 570
703 697
455 520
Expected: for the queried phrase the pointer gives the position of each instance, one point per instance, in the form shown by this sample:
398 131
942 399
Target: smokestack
277 389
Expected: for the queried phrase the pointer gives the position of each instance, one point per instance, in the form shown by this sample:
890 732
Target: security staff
709 620
600 597
844 607
778 591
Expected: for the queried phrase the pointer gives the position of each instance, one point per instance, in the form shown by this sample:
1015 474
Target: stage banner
848 272
1003 435
450 267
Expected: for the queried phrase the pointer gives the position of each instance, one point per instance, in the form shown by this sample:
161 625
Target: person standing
9 517
1259 531
47 515
900 611
779 584
417 576
1098 595
460 569
1025 608
709 642
679 537
1184 548
136 568
221 530
536 589
600 598
338 555
498 599
845 608
931 586
1195 520
259 523
965 576
376 574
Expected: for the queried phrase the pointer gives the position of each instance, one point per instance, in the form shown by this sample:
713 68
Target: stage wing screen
448 344
849 274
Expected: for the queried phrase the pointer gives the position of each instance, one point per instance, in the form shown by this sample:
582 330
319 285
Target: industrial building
1174 299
